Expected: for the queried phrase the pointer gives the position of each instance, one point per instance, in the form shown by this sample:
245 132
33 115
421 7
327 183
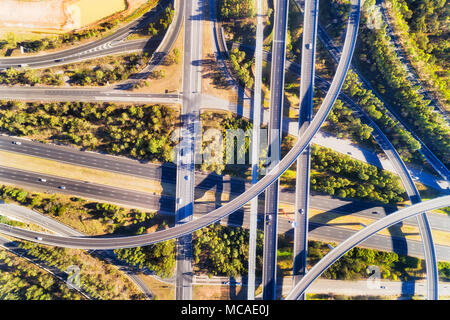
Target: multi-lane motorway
304 160
255 145
190 119
274 138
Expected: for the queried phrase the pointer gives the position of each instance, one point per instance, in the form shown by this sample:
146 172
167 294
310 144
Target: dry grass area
172 81
161 290
211 70
100 273
217 292
86 12
61 14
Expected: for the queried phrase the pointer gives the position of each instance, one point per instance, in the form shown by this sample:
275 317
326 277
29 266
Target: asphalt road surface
274 137
304 160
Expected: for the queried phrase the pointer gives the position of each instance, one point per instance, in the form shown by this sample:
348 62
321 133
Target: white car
42 180
301 211
308 46
62 187
39 238
17 142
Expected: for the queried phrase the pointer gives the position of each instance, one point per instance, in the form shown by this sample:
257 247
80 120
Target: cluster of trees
344 177
134 220
429 125
217 154
100 281
241 67
425 38
30 77
49 205
172 58
401 139
119 69
113 70
223 250
335 12
342 121
139 131
354 264
236 9
20 280
163 23
444 271
159 257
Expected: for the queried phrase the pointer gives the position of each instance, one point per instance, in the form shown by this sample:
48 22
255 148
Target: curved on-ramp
360 236
227 209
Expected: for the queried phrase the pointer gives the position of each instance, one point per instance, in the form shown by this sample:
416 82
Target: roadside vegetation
220 250
422 27
236 9
138 131
242 68
405 144
158 258
339 175
22 280
98 72
390 79
98 279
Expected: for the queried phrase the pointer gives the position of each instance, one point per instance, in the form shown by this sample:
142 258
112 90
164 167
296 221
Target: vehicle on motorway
17 142
39 238
225 282
59 60
293 224
301 211
308 46
269 218
186 178
23 65
179 201
374 212
62 187
42 180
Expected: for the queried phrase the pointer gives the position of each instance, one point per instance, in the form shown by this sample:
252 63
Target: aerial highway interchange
186 180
